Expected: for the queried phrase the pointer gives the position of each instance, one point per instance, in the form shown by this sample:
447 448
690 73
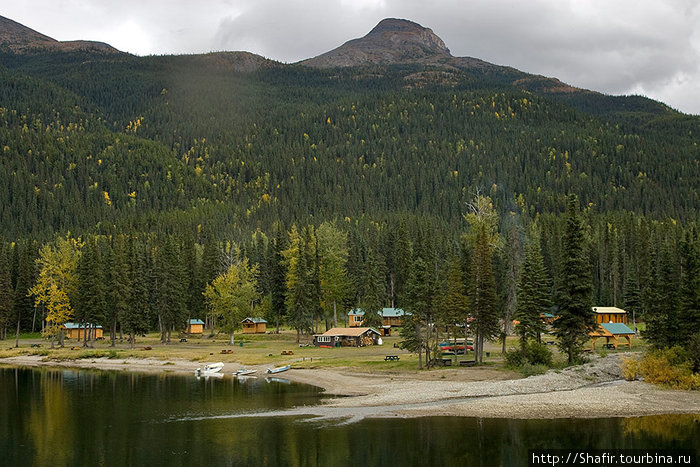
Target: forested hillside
164 154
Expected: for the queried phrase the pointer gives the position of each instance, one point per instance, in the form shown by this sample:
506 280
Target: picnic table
391 358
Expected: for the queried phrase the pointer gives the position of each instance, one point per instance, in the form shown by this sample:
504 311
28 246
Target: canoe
243 372
277 370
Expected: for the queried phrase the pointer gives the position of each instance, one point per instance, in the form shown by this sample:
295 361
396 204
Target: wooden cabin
77 331
612 332
195 326
348 337
391 317
254 326
548 318
609 314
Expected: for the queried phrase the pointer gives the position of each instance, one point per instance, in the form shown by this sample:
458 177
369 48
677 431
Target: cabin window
324 338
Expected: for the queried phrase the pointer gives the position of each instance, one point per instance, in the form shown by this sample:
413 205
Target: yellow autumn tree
57 282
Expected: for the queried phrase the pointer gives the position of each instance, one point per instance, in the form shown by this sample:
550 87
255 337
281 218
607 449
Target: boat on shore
244 372
210 369
272 371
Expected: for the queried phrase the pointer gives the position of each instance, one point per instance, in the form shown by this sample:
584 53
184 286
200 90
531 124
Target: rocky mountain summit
19 39
392 41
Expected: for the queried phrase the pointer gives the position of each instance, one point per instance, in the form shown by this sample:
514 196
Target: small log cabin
609 314
195 326
391 318
347 337
77 330
254 326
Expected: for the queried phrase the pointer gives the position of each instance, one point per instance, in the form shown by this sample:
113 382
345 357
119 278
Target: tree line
499 267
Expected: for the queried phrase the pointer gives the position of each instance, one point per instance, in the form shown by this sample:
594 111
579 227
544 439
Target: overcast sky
648 47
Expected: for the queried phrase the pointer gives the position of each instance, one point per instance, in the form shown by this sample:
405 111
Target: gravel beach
591 390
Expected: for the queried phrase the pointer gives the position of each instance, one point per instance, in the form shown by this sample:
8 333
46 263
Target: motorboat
210 369
271 371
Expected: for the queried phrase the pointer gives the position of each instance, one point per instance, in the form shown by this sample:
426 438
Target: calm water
66 417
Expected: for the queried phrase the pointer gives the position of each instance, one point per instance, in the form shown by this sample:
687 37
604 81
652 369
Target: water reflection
84 417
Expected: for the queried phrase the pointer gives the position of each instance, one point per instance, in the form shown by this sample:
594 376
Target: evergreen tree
6 292
454 303
333 252
482 292
92 303
278 274
418 303
533 294
576 318
169 297
119 286
373 292
689 296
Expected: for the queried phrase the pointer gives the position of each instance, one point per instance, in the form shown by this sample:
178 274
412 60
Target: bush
630 368
531 370
537 353
515 358
669 367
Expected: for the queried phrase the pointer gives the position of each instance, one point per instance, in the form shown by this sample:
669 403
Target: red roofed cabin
347 337
254 326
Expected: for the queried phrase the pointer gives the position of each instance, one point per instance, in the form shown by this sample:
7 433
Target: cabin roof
348 332
196 321
617 328
608 309
254 320
80 326
385 313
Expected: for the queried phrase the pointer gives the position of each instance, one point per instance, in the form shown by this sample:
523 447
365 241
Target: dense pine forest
137 183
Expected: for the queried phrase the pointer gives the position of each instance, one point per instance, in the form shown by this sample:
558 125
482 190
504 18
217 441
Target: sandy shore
591 390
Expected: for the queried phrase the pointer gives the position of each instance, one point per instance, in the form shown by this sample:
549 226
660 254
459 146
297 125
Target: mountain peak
391 41
17 38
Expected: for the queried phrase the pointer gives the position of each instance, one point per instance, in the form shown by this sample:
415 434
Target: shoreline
592 390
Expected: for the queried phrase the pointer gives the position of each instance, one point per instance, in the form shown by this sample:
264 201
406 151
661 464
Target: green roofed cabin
612 332
77 331
348 337
391 318
195 326
254 326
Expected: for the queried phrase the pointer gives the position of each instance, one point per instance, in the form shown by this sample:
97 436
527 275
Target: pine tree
278 274
6 292
169 297
373 291
533 294
91 298
482 293
333 252
454 303
119 286
576 318
689 294
418 302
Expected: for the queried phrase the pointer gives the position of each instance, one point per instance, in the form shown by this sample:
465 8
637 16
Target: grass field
252 349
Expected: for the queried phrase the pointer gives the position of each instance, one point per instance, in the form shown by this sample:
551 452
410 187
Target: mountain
234 142
17 38
392 41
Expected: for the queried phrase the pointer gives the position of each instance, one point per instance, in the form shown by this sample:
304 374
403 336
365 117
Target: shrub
669 367
630 367
515 358
529 369
537 353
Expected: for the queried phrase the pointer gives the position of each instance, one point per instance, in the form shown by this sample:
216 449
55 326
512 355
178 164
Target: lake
82 417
